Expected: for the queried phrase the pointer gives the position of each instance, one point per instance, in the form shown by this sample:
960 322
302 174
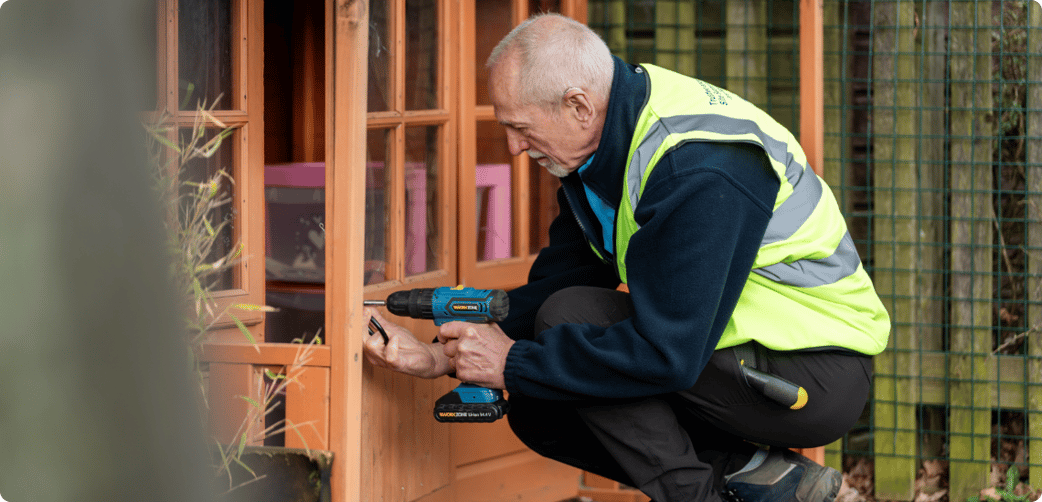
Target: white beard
550 166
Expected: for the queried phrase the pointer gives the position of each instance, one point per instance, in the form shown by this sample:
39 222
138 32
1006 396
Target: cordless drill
467 402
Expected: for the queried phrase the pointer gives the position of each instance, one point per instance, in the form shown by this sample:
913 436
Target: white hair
556 53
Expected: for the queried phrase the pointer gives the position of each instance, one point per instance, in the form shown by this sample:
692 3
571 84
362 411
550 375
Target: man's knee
583 304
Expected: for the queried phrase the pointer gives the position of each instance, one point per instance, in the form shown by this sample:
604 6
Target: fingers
378 350
450 331
450 349
460 344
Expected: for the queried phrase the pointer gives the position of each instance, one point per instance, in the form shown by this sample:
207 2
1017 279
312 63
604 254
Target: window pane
199 210
494 200
421 54
379 57
493 22
295 199
151 49
205 53
376 200
422 225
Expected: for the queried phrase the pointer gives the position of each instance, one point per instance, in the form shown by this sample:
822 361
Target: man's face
556 141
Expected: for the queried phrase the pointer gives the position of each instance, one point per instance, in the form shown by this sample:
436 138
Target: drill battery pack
471 403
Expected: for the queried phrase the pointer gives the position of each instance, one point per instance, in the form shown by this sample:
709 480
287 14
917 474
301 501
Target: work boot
782 475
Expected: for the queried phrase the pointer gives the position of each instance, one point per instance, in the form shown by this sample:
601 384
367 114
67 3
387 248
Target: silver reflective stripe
641 158
789 216
810 273
795 211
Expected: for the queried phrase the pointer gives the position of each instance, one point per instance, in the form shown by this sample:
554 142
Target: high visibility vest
807 287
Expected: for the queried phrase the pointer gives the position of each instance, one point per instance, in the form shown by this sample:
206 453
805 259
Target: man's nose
516 142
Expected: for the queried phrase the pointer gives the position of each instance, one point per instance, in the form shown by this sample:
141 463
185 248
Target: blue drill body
467 402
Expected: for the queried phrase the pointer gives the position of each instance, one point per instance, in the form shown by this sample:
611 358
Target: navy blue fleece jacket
702 215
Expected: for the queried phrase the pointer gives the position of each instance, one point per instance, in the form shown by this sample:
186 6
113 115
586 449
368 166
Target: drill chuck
414 303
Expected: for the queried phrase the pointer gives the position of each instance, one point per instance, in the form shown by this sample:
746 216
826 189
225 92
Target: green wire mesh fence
933 147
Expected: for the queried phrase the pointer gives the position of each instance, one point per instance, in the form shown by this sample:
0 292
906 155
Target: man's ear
579 104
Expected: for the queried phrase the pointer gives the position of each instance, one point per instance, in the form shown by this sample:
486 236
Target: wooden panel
476 442
613 495
406 450
227 382
270 354
895 232
517 476
591 480
307 408
971 254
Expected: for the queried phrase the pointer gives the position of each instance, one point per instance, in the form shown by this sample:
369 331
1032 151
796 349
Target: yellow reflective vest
807 288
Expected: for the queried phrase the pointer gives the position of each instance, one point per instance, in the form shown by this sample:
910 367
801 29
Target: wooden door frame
347 46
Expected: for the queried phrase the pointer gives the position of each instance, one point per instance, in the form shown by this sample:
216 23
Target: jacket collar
629 90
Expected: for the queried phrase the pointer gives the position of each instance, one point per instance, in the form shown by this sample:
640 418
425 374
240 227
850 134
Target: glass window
376 201
379 57
421 54
494 202
494 18
204 53
207 196
422 224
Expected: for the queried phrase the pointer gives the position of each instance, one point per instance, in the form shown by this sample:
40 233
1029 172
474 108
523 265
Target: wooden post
931 198
896 230
666 47
746 44
616 33
812 106
834 147
686 41
347 46
971 256
1033 181
812 78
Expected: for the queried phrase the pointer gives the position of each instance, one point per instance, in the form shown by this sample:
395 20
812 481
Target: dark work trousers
677 447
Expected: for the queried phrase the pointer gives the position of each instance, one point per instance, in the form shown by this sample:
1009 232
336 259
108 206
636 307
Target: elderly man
735 256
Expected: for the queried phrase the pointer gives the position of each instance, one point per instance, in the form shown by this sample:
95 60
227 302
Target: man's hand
478 352
403 352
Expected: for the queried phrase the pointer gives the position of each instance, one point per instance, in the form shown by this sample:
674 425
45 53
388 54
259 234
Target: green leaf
242 445
249 307
166 142
1012 476
274 376
189 89
209 228
242 328
244 466
252 402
